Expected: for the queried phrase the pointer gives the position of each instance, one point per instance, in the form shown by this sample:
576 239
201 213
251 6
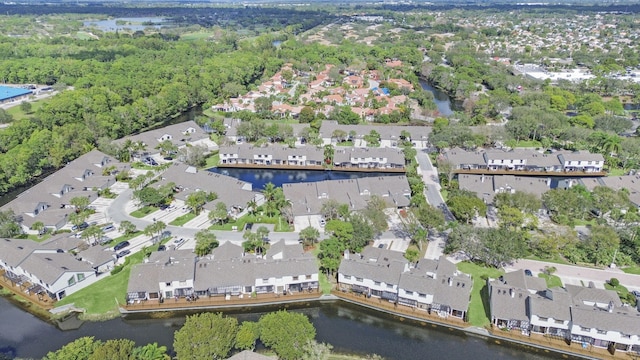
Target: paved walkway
434 198
576 275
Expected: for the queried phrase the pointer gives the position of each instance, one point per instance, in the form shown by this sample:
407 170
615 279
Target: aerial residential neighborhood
282 270
328 181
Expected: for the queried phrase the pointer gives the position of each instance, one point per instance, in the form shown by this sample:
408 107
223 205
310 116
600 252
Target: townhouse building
180 135
384 159
524 160
227 271
274 155
43 268
49 201
435 286
234 193
307 198
586 315
390 135
487 187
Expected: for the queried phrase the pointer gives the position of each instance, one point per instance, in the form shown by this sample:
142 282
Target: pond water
349 328
260 177
442 100
132 23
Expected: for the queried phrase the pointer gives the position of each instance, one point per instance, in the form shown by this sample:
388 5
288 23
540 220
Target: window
308 277
376 282
422 295
543 318
167 284
559 321
295 278
586 329
602 332
389 286
71 281
265 280
408 292
626 336
168 294
348 277
359 279
80 277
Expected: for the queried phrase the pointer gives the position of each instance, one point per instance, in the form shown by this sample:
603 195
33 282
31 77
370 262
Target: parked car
381 246
178 242
162 248
104 240
108 228
123 253
82 226
636 293
121 245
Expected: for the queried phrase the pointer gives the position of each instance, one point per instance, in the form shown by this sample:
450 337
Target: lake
441 99
349 328
260 177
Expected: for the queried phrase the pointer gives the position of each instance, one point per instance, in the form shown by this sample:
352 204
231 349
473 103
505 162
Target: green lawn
181 220
280 223
17 113
99 299
142 212
632 270
616 172
212 161
621 290
345 143
479 307
552 280
325 284
140 166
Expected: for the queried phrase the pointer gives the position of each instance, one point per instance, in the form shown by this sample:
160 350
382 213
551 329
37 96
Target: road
434 198
577 275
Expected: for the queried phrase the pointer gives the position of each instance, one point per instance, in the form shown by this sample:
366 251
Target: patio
401 310
218 301
20 286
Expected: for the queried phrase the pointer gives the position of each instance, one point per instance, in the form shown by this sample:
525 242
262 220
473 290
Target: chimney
450 282
346 254
610 307
482 178
512 293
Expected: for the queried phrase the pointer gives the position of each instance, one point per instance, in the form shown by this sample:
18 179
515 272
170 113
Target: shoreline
469 330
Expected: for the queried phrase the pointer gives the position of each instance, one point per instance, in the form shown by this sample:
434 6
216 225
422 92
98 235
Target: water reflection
348 328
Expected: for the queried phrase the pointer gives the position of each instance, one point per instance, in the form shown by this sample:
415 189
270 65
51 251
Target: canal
349 328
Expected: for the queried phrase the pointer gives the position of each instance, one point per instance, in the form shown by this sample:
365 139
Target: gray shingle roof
49 267
507 302
307 198
624 320
552 303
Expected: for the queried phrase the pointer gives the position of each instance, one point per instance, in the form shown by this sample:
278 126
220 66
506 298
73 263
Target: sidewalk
576 275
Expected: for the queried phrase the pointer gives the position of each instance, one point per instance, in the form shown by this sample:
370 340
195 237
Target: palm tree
611 144
252 206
